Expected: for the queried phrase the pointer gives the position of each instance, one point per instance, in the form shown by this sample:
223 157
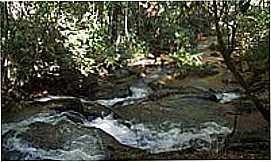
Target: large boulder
177 122
177 108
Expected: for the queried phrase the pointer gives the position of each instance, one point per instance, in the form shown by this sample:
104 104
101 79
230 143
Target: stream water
52 135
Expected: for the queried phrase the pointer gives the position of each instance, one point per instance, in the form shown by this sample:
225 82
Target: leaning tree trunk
259 105
226 53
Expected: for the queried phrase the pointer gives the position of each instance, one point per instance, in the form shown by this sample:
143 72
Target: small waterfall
137 93
170 137
226 97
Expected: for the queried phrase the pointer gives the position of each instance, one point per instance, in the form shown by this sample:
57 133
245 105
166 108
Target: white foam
51 97
22 125
118 131
146 137
227 97
83 151
83 148
137 93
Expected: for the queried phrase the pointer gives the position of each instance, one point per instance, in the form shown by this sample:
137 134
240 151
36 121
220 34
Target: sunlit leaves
184 58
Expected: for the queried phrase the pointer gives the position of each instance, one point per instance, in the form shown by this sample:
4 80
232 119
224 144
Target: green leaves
95 37
184 58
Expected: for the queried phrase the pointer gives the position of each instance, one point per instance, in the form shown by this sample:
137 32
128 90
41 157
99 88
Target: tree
229 13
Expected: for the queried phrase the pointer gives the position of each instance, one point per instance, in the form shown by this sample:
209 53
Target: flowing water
170 137
80 144
227 97
51 135
137 93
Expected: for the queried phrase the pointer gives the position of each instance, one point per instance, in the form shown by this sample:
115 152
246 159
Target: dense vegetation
45 43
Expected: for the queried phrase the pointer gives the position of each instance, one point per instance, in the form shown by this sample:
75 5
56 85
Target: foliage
184 58
257 36
40 38
31 46
232 32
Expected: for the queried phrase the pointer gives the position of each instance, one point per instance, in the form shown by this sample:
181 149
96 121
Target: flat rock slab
175 109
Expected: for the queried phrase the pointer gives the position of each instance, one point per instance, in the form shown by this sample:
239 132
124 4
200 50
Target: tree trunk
226 53
4 59
138 18
259 105
114 20
126 20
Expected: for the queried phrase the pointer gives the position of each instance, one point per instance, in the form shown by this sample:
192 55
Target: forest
135 80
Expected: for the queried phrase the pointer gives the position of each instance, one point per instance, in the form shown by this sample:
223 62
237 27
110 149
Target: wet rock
8 134
9 153
45 136
75 109
75 117
117 151
207 71
94 110
12 155
60 139
78 111
120 91
114 89
54 137
213 82
22 110
71 104
88 86
91 117
177 109
68 82
190 121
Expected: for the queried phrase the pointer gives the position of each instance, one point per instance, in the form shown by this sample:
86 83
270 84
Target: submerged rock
44 135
